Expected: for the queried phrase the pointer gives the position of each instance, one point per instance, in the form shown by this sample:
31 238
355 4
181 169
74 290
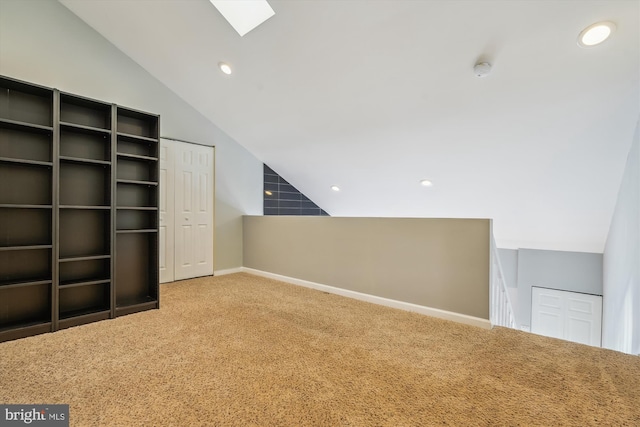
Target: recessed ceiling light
335 188
596 33
426 183
268 193
225 68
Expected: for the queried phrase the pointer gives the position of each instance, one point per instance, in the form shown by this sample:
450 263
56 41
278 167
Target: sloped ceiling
374 96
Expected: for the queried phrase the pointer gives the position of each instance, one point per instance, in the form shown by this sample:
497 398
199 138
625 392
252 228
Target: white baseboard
228 271
434 312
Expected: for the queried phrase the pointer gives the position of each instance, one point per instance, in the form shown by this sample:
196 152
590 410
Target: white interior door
193 211
567 315
186 210
167 208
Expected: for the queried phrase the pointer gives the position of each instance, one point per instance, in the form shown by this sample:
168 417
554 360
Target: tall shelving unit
137 211
78 210
84 211
26 209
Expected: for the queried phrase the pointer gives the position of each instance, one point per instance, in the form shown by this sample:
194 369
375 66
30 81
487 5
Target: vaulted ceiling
374 96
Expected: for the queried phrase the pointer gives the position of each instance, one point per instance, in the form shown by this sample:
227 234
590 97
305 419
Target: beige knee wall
437 263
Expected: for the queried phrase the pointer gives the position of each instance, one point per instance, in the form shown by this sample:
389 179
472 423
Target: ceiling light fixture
482 69
244 15
596 33
335 188
225 68
268 193
426 183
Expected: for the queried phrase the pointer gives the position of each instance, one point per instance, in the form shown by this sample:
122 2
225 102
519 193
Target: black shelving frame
27 231
78 210
136 217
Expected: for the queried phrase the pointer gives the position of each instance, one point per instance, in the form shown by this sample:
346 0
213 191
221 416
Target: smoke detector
482 69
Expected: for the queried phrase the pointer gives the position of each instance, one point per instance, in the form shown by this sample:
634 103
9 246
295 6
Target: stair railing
501 309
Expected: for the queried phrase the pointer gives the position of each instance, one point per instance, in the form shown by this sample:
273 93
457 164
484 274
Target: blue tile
285 199
287 211
271 178
310 212
290 196
281 180
289 204
271 186
288 188
270 203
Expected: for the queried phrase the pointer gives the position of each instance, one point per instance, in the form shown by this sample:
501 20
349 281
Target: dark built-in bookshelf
78 210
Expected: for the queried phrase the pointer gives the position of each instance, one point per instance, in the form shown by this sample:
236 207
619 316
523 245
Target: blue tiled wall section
282 198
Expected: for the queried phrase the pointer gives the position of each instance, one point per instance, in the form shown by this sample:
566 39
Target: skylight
244 15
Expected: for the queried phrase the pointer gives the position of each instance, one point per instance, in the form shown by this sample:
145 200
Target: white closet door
547 312
567 315
167 207
193 211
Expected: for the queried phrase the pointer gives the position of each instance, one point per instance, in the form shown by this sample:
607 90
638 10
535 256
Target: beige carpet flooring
240 350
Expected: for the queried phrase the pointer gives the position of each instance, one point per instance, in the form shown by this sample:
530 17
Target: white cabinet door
567 315
166 214
194 211
186 210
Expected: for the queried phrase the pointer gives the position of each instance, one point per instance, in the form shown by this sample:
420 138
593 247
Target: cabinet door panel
166 208
194 211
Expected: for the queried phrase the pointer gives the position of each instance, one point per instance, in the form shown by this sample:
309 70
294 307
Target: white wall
621 302
43 42
566 271
509 263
